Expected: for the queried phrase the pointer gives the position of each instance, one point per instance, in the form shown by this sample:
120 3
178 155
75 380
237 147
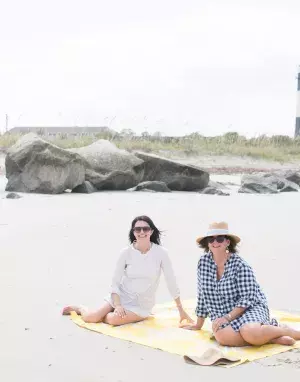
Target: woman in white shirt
136 278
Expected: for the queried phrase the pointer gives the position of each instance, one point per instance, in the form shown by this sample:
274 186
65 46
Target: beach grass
277 148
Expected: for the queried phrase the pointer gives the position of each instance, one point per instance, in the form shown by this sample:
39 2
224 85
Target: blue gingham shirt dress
236 288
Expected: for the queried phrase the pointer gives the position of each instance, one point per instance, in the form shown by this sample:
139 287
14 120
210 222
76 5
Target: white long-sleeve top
137 276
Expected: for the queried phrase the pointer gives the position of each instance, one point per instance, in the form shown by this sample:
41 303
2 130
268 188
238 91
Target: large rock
104 157
291 175
266 183
282 184
270 183
34 165
115 180
257 184
177 176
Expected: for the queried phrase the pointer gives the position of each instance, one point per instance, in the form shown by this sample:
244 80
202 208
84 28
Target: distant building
61 131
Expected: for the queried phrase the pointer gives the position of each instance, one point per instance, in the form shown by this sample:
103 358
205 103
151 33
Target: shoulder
204 259
241 264
125 251
160 250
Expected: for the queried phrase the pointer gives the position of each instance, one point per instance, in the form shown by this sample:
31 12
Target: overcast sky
175 66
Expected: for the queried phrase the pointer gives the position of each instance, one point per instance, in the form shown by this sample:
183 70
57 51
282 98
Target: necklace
142 252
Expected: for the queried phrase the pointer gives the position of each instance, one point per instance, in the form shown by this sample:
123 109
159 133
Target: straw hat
216 229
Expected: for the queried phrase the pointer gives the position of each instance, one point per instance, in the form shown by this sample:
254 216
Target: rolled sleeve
247 287
119 272
170 276
201 310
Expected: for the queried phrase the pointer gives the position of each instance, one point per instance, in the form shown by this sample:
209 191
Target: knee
221 338
221 341
251 334
112 319
89 318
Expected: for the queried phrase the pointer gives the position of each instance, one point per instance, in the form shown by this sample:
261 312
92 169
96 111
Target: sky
172 66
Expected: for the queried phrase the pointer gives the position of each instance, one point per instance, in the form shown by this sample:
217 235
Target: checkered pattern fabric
236 288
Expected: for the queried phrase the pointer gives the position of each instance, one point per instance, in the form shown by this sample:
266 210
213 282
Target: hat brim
234 237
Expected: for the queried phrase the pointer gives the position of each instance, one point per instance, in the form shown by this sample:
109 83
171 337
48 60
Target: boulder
104 157
85 188
210 190
258 184
178 177
291 175
34 165
116 180
266 183
282 184
289 187
155 186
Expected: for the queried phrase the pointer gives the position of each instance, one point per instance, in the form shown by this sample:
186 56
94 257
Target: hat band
216 232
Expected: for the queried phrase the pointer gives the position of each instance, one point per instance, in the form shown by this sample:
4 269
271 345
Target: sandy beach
57 250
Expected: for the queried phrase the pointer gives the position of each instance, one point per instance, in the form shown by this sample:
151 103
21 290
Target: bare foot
284 340
71 308
291 332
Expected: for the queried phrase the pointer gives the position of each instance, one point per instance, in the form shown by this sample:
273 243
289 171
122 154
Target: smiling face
142 231
218 244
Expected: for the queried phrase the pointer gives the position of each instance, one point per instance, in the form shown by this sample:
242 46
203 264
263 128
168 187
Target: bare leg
257 334
228 337
115 320
90 317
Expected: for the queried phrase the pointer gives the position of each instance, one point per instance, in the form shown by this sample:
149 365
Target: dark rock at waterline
152 186
178 177
282 184
34 165
210 190
257 184
270 183
85 188
13 195
291 175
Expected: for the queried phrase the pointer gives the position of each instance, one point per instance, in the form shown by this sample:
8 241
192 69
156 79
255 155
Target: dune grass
277 148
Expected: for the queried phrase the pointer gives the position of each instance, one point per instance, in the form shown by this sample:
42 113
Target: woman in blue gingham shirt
230 295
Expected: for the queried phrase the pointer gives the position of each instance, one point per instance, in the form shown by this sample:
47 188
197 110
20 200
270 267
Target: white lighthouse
297 128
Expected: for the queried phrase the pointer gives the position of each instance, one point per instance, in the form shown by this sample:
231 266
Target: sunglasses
219 239
140 229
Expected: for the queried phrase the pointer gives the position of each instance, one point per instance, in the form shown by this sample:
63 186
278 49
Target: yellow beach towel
161 331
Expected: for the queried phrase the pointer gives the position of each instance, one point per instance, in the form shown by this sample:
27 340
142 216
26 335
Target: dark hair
232 248
155 237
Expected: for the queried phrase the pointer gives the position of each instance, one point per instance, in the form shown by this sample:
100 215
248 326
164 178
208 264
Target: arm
247 289
117 277
201 310
173 287
170 278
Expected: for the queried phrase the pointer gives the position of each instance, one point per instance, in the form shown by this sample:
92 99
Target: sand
58 250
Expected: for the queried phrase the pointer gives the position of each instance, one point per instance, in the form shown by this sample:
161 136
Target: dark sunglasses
219 239
140 229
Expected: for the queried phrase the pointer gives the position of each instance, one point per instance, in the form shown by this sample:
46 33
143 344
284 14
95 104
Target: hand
219 322
184 316
192 326
120 311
